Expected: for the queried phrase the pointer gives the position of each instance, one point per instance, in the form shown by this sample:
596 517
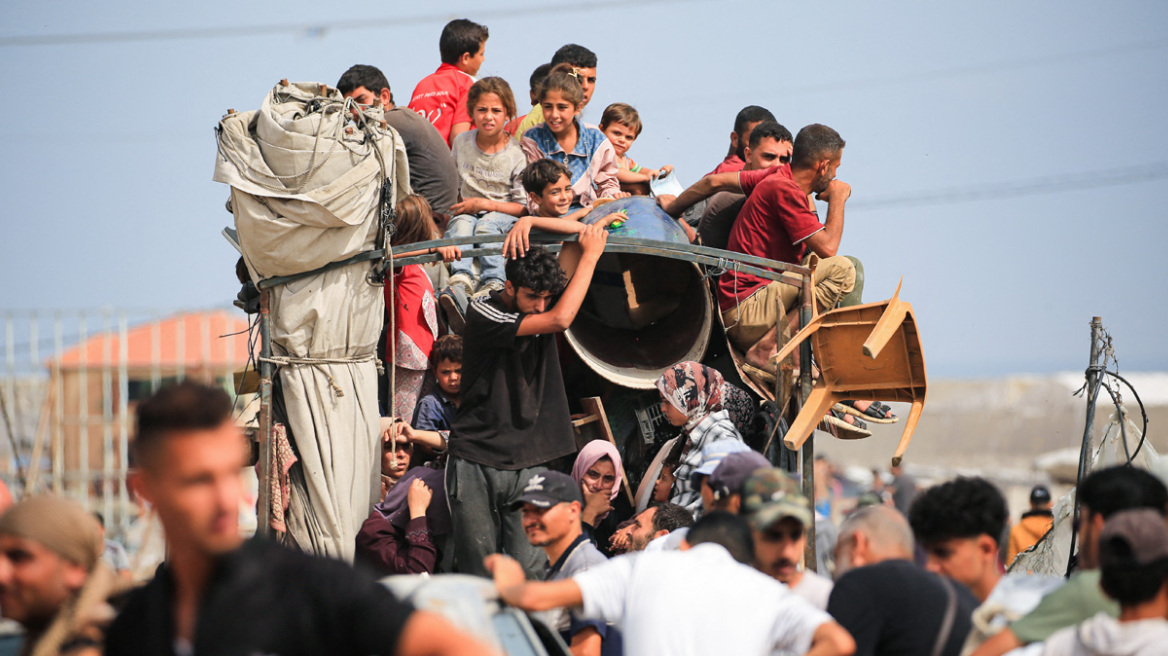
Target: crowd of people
481 472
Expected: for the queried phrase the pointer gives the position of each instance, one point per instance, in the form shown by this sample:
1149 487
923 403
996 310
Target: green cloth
1078 600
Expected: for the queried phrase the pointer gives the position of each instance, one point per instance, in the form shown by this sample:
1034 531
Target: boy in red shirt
441 96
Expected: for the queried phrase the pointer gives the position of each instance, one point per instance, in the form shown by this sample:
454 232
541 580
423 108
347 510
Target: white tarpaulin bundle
305 190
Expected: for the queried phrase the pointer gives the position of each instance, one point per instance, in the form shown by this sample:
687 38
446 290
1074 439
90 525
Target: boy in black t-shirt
513 417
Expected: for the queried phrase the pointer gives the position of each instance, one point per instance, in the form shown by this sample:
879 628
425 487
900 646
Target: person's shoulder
590 555
486 309
592 137
816 581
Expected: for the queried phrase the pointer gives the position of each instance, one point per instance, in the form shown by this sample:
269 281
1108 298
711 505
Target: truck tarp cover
304 194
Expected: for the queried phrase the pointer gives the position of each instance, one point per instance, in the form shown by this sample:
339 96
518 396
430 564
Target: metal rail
427 251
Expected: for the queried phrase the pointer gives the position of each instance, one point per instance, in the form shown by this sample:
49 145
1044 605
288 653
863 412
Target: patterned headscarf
692 388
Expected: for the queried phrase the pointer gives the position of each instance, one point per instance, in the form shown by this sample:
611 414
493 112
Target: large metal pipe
643 313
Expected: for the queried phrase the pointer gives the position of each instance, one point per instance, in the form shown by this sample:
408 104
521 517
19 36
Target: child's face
395 463
556 198
558 112
621 136
663 486
489 115
448 375
472 63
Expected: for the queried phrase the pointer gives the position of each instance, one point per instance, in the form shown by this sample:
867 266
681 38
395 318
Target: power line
311 30
1031 187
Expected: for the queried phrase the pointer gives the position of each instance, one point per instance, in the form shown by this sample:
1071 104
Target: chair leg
910 425
818 403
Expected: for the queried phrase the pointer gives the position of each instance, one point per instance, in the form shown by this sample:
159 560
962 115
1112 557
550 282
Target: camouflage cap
772 494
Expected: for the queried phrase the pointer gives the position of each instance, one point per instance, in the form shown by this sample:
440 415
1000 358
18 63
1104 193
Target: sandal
842 429
878 413
758 374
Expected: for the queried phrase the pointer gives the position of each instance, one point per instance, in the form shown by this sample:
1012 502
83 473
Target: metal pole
263 463
58 430
9 405
123 512
1094 380
107 419
807 451
180 346
83 403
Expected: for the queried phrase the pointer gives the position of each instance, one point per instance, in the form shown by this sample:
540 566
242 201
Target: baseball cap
547 488
1039 494
771 494
733 471
1137 535
712 454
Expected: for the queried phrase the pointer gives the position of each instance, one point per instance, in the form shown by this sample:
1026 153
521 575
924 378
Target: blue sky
1009 160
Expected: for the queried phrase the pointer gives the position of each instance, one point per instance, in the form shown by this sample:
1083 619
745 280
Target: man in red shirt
744 122
778 222
441 96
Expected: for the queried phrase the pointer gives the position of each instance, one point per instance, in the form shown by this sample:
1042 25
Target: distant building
94 388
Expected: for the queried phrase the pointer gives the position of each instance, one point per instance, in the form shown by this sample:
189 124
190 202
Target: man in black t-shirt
513 418
217 594
891 606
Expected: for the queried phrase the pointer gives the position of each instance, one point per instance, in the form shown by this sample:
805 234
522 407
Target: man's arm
998 644
514 588
563 313
831 639
825 243
429 634
700 190
586 642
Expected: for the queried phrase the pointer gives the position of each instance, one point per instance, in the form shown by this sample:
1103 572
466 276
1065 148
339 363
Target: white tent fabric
305 192
1050 555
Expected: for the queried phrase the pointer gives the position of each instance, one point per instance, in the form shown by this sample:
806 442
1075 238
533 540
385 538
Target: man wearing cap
712 455
550 505
1033 525
52 580
725 483
779 515
1133 557
651 596
1102 494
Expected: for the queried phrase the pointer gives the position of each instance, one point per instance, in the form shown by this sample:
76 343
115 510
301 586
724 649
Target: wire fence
71 382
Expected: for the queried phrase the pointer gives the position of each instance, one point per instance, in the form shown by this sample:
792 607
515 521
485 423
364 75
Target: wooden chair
865 352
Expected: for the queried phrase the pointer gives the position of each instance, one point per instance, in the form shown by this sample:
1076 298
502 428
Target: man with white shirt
779 515
744 612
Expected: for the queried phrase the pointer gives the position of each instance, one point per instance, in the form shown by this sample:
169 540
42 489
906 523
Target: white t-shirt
696 603
815 589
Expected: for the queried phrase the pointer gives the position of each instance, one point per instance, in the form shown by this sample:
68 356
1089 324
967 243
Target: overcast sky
1009 160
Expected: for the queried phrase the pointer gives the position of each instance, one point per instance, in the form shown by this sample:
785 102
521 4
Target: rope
285 361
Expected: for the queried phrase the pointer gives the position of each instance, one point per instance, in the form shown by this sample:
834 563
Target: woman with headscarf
691 398
406 532
598 471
